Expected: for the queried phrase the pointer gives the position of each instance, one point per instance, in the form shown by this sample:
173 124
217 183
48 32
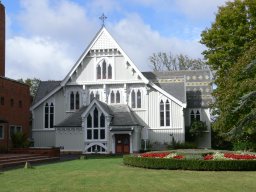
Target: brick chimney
2 39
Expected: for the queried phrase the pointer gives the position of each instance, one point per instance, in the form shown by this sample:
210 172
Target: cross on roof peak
103 18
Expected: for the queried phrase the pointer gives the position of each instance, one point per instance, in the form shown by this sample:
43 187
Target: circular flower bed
201 161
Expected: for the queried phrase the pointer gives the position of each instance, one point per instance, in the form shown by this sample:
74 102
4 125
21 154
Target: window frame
15 129
99 129
115 96
49 115
74 100
195 115
163 112
104 70
135 99
2 132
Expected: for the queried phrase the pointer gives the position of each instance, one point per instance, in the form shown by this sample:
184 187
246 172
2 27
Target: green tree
230 51
162 61
33 85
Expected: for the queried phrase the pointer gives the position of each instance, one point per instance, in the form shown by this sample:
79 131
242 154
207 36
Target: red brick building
15 98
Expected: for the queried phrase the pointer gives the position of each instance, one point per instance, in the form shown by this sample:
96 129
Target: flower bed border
189 164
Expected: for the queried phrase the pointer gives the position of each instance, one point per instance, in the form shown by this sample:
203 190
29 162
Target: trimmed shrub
190 164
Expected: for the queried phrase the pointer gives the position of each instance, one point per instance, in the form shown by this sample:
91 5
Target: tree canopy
231 52
33 85
162 61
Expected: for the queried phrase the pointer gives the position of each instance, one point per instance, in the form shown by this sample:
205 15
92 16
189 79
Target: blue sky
46 37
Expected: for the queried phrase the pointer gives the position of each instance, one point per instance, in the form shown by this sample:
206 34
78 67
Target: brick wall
2 40
15 101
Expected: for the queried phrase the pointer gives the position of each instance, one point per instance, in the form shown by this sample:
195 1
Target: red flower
239 156
208 157
178 157
155 155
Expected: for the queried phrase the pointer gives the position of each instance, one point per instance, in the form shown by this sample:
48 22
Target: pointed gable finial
103 18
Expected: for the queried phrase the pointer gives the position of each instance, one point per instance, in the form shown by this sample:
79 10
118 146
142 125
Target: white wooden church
106 105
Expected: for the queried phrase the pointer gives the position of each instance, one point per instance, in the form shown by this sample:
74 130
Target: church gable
104 60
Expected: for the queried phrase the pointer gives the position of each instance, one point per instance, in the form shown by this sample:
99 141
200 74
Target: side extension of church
106 105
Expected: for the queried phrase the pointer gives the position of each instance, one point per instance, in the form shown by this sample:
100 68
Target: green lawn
111 175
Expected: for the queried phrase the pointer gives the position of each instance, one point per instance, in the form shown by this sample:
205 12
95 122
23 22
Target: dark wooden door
123 143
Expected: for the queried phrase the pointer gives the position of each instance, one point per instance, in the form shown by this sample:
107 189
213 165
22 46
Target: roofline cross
103 18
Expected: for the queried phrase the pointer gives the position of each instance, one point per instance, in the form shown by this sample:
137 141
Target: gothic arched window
109 72
161 113
48 115
138 99
95 118
133 99
112 97
89 121
167 113
192 116
77 100
72 103
91 96
198 115
98 72
104 70
117 97
97 95
102 120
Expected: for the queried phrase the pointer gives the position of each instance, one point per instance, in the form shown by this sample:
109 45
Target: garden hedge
188 164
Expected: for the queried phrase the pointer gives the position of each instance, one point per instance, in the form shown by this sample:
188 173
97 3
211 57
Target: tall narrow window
91 96
138 99
198 115
89 121
89 134
167 113
104 70
102 120
102 134
117 97
97 95
46 116
95 133
96 117
20 104
51 115
112 97
1 132
161 113
72 104
109 72
98 72
133 99
77 100
12 102
192 116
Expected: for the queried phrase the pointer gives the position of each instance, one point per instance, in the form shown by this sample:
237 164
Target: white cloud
37 57
199 9
55 34
61 20
140 41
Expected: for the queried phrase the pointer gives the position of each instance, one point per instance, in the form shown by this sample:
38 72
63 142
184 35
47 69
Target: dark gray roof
74 120
121 116
174 87
197 84
44 88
